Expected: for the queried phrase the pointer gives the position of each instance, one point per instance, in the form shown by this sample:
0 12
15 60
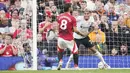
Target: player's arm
45 26
90 29
76 31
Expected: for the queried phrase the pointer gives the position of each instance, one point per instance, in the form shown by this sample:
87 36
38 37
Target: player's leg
60 56
91 46
60 50
73 47
69 61
71 56
60 53
99 55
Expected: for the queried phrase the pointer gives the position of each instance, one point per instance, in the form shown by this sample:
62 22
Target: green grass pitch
72 71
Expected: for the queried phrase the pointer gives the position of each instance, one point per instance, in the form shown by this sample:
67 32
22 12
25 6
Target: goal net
112 38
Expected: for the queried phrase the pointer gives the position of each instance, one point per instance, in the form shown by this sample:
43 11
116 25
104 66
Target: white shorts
64 44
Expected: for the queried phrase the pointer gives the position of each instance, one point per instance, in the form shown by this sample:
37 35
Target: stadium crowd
111 22
15 27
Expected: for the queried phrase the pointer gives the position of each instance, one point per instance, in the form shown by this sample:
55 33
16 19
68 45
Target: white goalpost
34 53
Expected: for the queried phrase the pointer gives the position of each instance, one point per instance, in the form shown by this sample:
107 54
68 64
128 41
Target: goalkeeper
45 62
85 26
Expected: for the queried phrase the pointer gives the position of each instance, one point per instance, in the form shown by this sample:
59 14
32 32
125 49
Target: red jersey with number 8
66 23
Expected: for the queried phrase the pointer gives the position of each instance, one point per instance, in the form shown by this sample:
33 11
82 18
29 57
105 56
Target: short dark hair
67 6
14 10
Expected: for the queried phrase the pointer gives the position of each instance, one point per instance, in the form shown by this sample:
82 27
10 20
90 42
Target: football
100 65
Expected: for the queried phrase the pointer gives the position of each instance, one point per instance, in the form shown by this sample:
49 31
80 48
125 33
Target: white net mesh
112 39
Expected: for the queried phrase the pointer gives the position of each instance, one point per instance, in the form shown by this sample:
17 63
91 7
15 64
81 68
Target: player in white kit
84 25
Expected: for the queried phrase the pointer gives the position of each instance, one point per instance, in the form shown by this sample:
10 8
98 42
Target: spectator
120 1
51 3
100 9
127 19
127 3
2 5
45 25
8 49
27 55
107 5
14 21
75 13
47 9
7 3
123 49
104 1
52 33
19 44
19 8
121 10
11 8
23 29
55 27
112 16
41 6
75 4
95 18
83 5
44 28
99 38
55 12
114 52
97 33
29 9
29 21
91 6
112 37
39 42
3 17
121 21
3 22
124 32
104 23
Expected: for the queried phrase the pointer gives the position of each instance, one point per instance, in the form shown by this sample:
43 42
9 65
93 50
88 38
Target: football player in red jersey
67 24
